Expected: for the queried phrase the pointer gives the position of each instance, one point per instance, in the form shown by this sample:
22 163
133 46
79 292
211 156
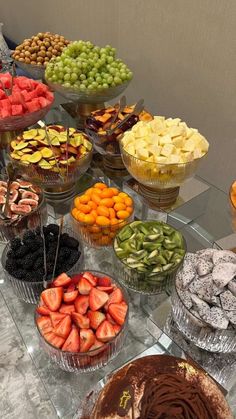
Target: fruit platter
53 157
23 102
82 320
33 54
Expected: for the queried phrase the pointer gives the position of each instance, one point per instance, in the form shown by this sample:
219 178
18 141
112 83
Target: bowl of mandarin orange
99 213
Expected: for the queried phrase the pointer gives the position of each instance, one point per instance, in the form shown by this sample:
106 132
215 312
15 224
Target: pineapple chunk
187 157
154 139
172 121
176 131
174 158
142 153
168 149
161 159
130 149
155 149
140 143
178 141
166 139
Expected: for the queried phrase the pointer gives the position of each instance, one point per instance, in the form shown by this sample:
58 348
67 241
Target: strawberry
56 318
115 297
62 280
52 297
54 340
116 328
105 331
104 281
82 322
91 278
43 310
96 318
97 344
87 339
67 308
110 319
44 324
64 327
75 278
70 288
68 297
106 289
84 286
97 299
118 312
72 342
81 304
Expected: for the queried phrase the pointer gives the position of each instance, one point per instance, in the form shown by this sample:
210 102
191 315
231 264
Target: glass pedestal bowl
159 183
29 291
198 331
82 362
35 71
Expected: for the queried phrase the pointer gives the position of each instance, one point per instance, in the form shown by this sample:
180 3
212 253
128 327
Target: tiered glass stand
34 387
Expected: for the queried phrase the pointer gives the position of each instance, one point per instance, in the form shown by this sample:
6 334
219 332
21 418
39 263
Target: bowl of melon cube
162 153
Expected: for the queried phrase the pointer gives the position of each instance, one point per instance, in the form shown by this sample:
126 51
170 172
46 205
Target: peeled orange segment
15 156
20 145
35 157
46 152
28 135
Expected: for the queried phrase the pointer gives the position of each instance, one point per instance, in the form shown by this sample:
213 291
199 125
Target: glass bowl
142 282
199 332
51 178
29 292
29 221
232 199
156 175
99 96
20 122
92 360
35 71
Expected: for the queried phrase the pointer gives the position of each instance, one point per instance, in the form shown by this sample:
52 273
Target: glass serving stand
33 387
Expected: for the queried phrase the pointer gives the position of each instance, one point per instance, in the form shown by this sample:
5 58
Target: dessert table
34 387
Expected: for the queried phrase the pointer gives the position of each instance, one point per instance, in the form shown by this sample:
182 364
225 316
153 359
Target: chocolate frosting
161 387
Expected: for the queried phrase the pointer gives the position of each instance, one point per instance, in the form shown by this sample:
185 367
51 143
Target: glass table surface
33 387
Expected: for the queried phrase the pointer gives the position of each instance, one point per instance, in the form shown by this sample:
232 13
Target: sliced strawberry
106 289
81 321
84 286
104 281
97 344
75 278
105 332
81 304
91 278
62 280
64 327
118 312
67 308
87 339
56 318
115 297
44 324
116 328
96 318
97 299
52 297
110 319
70 288
68 297
72 342
43 310
55 340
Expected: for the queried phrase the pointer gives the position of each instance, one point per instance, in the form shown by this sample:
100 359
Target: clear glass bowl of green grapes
87 73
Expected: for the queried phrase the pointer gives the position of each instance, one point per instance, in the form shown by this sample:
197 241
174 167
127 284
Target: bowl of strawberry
82 320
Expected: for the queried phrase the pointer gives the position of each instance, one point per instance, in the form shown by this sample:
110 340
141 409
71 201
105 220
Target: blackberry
73 258
22 251
50 267
28 235
32 245
39 274
15 243
64 252
71 242
38 263
52 228
10 254
29 276
38 231
10 266
50 238
28 262
39 252
63 238
20 274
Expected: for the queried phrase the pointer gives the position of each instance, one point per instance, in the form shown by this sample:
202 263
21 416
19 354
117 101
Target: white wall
182 53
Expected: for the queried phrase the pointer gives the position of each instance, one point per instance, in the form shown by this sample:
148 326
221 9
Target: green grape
117 80
112 71
90 79
109 59
82 87
129 75
123 76
95 85
98 79
82 77
105 86
73 77
67 77
90 87
109 79
61 75
83 55
67 85
54 78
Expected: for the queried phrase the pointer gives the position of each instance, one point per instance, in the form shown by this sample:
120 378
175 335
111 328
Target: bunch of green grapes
84 66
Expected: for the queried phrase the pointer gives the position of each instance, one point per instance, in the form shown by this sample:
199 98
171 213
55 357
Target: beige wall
182 52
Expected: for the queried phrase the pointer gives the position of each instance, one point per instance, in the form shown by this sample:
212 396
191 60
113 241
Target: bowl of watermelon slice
82 320
22 104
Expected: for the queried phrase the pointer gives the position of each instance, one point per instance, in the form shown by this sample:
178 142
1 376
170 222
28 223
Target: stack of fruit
101 120
83 318
100 212
85 67
40 48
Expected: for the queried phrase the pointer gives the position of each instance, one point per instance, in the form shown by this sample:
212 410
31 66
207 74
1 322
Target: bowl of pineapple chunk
162 153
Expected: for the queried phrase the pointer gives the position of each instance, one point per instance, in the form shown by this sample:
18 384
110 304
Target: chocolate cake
160 387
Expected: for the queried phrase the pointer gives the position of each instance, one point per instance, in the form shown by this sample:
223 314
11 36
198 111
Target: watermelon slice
32 106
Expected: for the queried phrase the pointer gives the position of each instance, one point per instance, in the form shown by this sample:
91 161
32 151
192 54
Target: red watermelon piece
49 96
41 89
2 94
32 106
6 80
43 102
17 109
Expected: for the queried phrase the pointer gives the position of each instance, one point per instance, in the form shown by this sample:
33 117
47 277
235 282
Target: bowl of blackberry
23 260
